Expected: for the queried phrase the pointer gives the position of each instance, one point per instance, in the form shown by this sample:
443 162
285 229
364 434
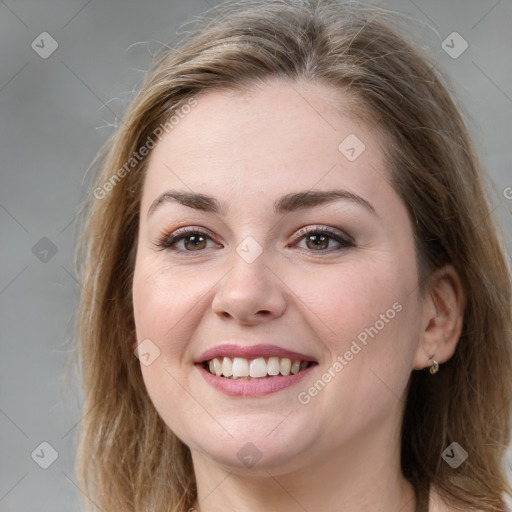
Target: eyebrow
288 203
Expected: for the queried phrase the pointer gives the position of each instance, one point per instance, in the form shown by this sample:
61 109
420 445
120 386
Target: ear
443 307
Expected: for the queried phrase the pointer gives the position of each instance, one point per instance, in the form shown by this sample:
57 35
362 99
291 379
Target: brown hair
127 458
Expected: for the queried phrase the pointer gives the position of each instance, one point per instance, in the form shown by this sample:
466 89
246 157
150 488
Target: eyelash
167 241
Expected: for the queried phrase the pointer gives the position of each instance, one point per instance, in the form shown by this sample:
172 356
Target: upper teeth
237 367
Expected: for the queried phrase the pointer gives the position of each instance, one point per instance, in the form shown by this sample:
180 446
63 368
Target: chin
254 450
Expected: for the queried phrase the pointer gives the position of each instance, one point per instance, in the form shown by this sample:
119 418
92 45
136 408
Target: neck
363 474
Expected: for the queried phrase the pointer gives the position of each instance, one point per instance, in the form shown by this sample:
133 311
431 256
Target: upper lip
250 352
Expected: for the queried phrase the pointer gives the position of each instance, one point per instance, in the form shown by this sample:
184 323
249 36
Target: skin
248 149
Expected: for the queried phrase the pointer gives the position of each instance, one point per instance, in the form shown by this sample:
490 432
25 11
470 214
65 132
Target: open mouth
261 368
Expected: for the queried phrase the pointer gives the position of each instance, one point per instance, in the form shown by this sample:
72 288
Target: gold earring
434 368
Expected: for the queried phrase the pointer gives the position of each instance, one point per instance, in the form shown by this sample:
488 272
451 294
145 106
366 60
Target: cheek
162 311
163 302
347 300
368 319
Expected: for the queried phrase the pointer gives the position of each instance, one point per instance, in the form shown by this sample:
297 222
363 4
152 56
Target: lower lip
255 387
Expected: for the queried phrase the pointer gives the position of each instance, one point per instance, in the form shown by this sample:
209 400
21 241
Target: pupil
195 240
317 240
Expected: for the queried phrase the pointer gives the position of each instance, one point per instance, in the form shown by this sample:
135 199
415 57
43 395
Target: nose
251 292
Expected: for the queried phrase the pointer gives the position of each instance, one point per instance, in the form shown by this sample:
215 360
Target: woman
296 295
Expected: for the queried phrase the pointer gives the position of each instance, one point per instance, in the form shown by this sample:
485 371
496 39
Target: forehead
268 141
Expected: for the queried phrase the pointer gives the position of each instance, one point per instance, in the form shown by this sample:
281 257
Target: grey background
55 114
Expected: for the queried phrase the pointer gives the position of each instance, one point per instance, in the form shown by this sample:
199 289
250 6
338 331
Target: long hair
127 457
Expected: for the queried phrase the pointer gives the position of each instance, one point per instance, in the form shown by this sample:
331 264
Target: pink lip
255 387
250 352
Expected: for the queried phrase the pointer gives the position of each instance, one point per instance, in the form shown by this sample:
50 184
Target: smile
235 368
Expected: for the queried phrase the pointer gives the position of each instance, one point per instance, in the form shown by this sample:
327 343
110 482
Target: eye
195 240
319 238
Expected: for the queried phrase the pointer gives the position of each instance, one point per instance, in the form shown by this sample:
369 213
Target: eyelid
329 230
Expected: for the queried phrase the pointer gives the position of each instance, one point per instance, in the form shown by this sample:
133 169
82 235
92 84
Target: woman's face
262 282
